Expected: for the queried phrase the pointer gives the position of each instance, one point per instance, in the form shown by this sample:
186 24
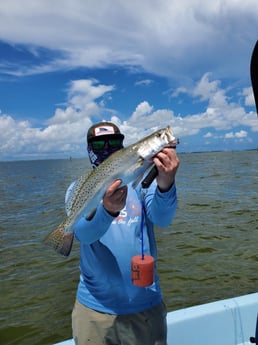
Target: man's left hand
167 164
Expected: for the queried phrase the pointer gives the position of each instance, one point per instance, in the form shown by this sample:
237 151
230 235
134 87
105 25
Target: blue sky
141 64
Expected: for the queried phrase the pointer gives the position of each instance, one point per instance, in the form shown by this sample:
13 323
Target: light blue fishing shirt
107 245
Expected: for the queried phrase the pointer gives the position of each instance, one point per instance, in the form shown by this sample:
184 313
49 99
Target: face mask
97 157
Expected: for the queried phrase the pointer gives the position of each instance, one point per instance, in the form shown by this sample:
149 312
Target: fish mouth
169 137
173 143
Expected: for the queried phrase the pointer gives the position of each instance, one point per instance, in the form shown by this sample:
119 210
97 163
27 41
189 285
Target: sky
66 64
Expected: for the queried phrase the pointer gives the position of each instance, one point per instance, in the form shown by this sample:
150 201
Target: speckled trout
128 164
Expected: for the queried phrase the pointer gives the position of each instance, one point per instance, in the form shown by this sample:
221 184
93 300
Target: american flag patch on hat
103 130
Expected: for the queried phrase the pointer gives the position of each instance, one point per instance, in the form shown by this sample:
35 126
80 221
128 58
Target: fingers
115 197
113 187
166 160
167 164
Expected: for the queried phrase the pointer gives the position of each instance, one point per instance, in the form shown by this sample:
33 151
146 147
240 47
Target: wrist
164 189
112 213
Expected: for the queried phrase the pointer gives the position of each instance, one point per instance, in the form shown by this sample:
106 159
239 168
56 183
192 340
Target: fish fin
69 198
60 240
72 193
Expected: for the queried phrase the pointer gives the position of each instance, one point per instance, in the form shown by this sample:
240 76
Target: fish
128 164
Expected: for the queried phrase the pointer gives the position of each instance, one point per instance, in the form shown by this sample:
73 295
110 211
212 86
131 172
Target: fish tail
60 240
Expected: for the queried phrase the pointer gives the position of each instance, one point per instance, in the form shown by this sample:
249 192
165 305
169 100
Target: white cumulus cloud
64 133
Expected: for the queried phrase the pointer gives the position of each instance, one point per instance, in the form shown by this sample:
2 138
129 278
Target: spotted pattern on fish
128 164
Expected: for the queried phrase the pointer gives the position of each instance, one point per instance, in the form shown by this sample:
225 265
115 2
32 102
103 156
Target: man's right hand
115 198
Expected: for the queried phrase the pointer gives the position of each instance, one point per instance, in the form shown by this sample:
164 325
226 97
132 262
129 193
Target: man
109 309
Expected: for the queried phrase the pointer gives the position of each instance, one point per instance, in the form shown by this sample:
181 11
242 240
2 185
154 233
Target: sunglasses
100 144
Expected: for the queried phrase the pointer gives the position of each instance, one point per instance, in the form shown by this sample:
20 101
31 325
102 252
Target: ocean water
210 251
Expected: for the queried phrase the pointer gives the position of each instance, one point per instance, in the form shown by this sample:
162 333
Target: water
208 253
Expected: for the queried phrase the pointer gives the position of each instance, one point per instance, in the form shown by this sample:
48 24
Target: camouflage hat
104 128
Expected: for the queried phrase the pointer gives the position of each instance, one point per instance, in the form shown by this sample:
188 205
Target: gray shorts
144 328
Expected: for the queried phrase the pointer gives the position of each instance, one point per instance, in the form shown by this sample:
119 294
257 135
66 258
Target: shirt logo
130 213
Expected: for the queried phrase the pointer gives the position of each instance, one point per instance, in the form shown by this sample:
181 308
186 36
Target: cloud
221 112
168 38
239 135
63 134
82 102
208 135
248 96
178 91
206 89
144 82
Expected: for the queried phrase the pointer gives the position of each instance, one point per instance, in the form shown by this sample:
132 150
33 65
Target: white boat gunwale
229 322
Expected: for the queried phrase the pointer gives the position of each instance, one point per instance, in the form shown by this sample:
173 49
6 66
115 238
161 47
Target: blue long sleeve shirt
107 245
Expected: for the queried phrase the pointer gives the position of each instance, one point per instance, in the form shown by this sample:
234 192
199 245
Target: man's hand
115 198
167 164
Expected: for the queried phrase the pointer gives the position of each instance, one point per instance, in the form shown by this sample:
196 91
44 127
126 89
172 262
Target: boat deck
226 322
